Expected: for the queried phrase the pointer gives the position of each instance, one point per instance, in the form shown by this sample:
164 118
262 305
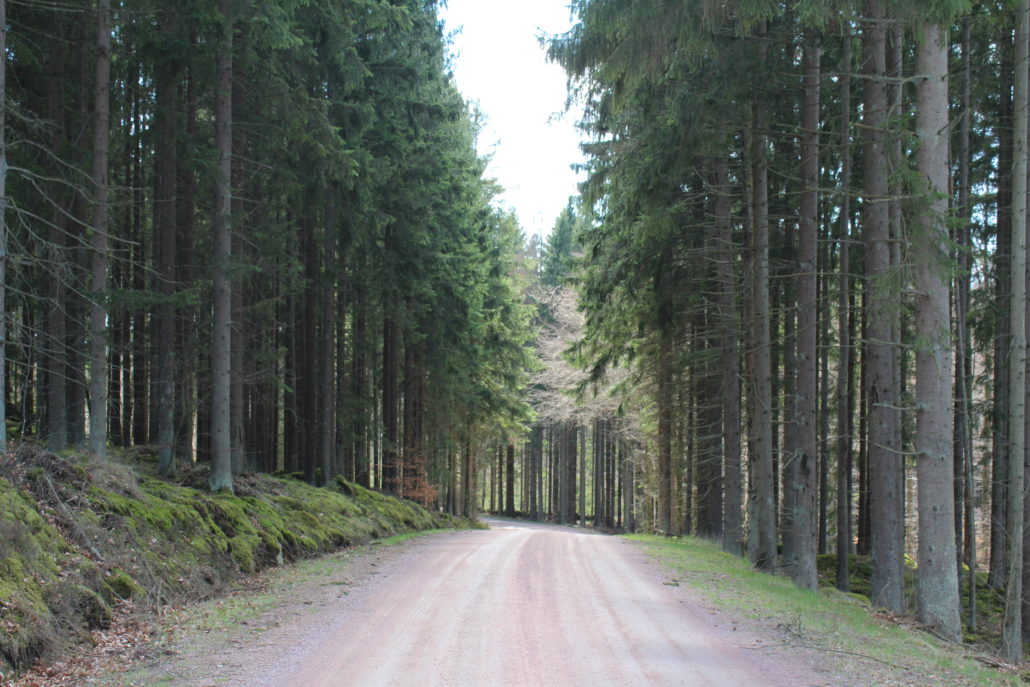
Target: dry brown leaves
111 648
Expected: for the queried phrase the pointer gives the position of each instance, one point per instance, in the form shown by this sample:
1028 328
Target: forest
788 311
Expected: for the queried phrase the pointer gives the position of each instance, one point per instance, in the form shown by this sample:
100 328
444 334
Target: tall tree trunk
569 478
342 449
885 517
221 420
825 345
242 328
392 474
762 527
308 346
664 409
783 459
3 227
292 436
729 362
98 288
1002 340
629 521
57 331
805 472
509 492
1012 637
359 375
165 178
535 453
963 359
327 390
938 581
844 450
709 456
468 477
582 507
185 216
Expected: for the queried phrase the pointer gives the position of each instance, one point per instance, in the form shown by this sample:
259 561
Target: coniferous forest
788 311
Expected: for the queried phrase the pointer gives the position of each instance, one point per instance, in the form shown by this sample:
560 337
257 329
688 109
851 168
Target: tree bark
1012 638
101 249
729 361
762 527
1002 342
509 485
664 409
57 333
885 517
468 476
3 227
964 360
165 178
221 421
327 390
938 581
307 346
569 466
805 473
844 444
391 456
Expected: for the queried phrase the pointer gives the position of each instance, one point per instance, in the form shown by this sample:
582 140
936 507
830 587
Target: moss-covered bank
79 535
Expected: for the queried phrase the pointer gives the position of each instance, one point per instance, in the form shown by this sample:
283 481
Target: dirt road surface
517 605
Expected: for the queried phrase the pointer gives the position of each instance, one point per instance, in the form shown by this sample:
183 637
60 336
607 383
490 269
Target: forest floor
519 604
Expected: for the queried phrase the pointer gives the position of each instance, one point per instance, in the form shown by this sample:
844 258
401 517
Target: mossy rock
122 586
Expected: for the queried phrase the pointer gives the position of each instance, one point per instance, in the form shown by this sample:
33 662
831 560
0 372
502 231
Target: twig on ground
835 651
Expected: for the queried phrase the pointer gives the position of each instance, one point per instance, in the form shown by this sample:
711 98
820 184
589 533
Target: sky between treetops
499 63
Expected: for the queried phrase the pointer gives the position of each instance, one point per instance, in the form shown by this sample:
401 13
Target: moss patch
78 536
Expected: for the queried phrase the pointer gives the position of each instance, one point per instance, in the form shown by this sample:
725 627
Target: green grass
841 625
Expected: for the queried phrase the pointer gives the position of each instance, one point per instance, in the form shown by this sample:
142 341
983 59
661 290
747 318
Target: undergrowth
78 535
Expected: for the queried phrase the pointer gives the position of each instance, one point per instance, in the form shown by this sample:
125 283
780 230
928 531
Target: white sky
500 64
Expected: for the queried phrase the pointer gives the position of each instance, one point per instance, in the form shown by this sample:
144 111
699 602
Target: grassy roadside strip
840 625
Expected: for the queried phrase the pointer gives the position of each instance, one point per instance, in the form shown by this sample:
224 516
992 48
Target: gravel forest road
518 604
